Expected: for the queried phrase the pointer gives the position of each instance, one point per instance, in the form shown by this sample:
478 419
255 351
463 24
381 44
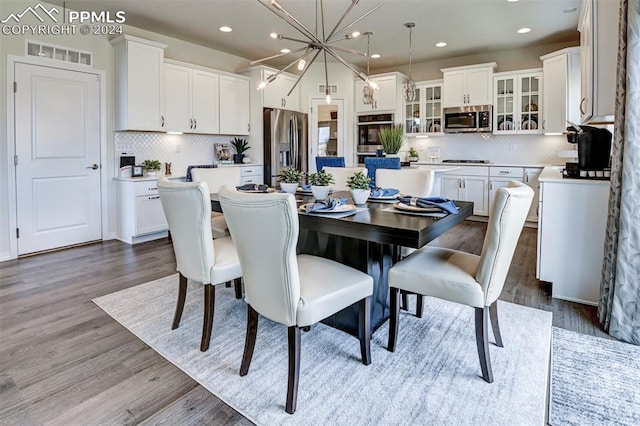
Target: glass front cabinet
424 114
517 102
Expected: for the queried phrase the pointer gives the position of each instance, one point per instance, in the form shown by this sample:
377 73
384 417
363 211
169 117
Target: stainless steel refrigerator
285 142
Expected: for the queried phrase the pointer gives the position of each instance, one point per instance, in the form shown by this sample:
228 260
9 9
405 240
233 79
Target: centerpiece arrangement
413 154
289 179
392 139
320 182
241 146
151 166
358 185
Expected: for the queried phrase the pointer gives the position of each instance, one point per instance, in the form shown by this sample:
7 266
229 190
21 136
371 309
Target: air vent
332 87
58 53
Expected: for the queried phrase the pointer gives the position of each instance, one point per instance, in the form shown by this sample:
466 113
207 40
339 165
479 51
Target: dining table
370 241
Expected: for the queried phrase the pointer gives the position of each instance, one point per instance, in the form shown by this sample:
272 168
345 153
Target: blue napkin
252 187
383 192
305 187
325 206
431 202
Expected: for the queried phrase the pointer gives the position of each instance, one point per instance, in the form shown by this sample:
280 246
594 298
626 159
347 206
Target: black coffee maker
594 150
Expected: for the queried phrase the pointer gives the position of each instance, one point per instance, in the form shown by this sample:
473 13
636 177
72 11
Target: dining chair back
374 163
294 290
413 182
340 175
329 161
200 258
215 178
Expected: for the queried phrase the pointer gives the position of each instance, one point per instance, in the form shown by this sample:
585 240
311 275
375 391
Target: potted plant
358 185
289 178
413 154
392 139
320 184
240 145
151 166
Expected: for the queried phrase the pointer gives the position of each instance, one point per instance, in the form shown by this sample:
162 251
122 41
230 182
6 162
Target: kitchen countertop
554 174
148 178
440 164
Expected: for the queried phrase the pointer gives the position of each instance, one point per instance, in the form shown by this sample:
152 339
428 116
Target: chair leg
404 301
237 283
182 294
493 315
250 340
394 295
294 369
207 324
482 342
364 329
419 305
227 284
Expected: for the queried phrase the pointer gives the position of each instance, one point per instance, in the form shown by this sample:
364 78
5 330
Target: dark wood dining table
369 241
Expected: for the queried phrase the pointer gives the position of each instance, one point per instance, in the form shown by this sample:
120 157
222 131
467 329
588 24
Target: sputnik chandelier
317 42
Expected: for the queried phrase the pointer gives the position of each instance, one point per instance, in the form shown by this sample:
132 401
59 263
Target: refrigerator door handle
294 142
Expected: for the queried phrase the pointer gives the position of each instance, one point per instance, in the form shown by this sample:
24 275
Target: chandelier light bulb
373 84
262 85
328 99
301 64
355 34
274 35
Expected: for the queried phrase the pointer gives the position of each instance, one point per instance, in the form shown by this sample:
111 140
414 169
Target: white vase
291 188
320 193
359 196
246 160
152 173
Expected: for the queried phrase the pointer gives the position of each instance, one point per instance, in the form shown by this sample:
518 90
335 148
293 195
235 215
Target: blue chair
374 163
329 161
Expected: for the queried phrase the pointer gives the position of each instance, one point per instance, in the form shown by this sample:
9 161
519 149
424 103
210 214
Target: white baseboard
109 236
4 256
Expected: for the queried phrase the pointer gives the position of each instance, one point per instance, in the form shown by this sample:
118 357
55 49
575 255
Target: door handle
94 166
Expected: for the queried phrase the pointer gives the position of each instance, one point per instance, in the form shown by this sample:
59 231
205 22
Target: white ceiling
468 26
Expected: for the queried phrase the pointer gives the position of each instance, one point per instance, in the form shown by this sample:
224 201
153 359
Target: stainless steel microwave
467 119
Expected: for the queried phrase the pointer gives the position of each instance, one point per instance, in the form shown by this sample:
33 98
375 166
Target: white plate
506 125
529 125
255 191
409 208
340 209
434 128
308 191
384 197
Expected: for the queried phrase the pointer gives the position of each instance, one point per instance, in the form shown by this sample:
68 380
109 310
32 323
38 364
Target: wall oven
368 128
467 119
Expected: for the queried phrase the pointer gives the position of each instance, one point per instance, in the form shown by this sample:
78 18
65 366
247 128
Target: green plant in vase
289 179
358 184
413 154
151 166
320 182
240 145
392 138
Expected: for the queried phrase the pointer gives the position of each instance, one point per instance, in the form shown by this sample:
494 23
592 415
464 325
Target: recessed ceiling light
512 1
524 30
570 10
375 56
285 50
441 44
226 29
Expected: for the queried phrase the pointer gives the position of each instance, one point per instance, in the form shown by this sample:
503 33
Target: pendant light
367 90
409 86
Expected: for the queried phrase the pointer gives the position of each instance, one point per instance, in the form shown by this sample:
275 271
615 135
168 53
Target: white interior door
57 143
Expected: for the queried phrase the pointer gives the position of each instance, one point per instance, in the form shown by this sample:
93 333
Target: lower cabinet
468 184
139 211
531 175
252 174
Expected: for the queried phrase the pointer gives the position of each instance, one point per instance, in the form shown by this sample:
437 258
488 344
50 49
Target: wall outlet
177 147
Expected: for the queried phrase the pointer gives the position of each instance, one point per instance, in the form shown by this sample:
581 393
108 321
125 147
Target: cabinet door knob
191 123
195 123
162 121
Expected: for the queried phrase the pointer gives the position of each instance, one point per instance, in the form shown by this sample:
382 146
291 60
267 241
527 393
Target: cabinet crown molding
126 37
468 67
567 50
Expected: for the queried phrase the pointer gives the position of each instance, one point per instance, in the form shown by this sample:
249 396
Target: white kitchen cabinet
598 26
517 102
468 184
252 174
561 89
387 97
138 80
499 177
424 114
571 233
234 105
191 100
275 93
139 211
468 85
531 175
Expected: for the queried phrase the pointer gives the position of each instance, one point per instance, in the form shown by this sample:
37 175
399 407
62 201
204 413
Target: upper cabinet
598 50
468 85
561 91
517 102
191 100
424 114
234 105
138 65
276 93
385 97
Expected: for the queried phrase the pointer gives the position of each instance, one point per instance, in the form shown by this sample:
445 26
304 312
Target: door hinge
15 160
17 232
15 87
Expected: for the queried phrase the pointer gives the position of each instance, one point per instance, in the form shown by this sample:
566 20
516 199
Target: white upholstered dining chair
413 182
187 207
294 290
340 175
465 278
216 178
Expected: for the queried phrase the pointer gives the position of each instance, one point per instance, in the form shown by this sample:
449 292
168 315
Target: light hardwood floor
64 361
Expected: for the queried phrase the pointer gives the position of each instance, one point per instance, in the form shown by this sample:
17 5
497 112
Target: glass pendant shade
409 89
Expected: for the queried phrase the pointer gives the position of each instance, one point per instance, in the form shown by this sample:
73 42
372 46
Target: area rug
433 377
594 381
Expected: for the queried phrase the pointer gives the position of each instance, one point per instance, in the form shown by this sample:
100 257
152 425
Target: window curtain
619 307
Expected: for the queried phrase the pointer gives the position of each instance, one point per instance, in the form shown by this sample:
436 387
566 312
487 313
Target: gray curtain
619 308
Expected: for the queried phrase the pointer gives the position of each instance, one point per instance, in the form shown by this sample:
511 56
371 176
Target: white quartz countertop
532 165
554 174
148 178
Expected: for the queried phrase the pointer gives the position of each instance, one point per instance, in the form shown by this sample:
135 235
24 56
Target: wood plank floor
64 361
